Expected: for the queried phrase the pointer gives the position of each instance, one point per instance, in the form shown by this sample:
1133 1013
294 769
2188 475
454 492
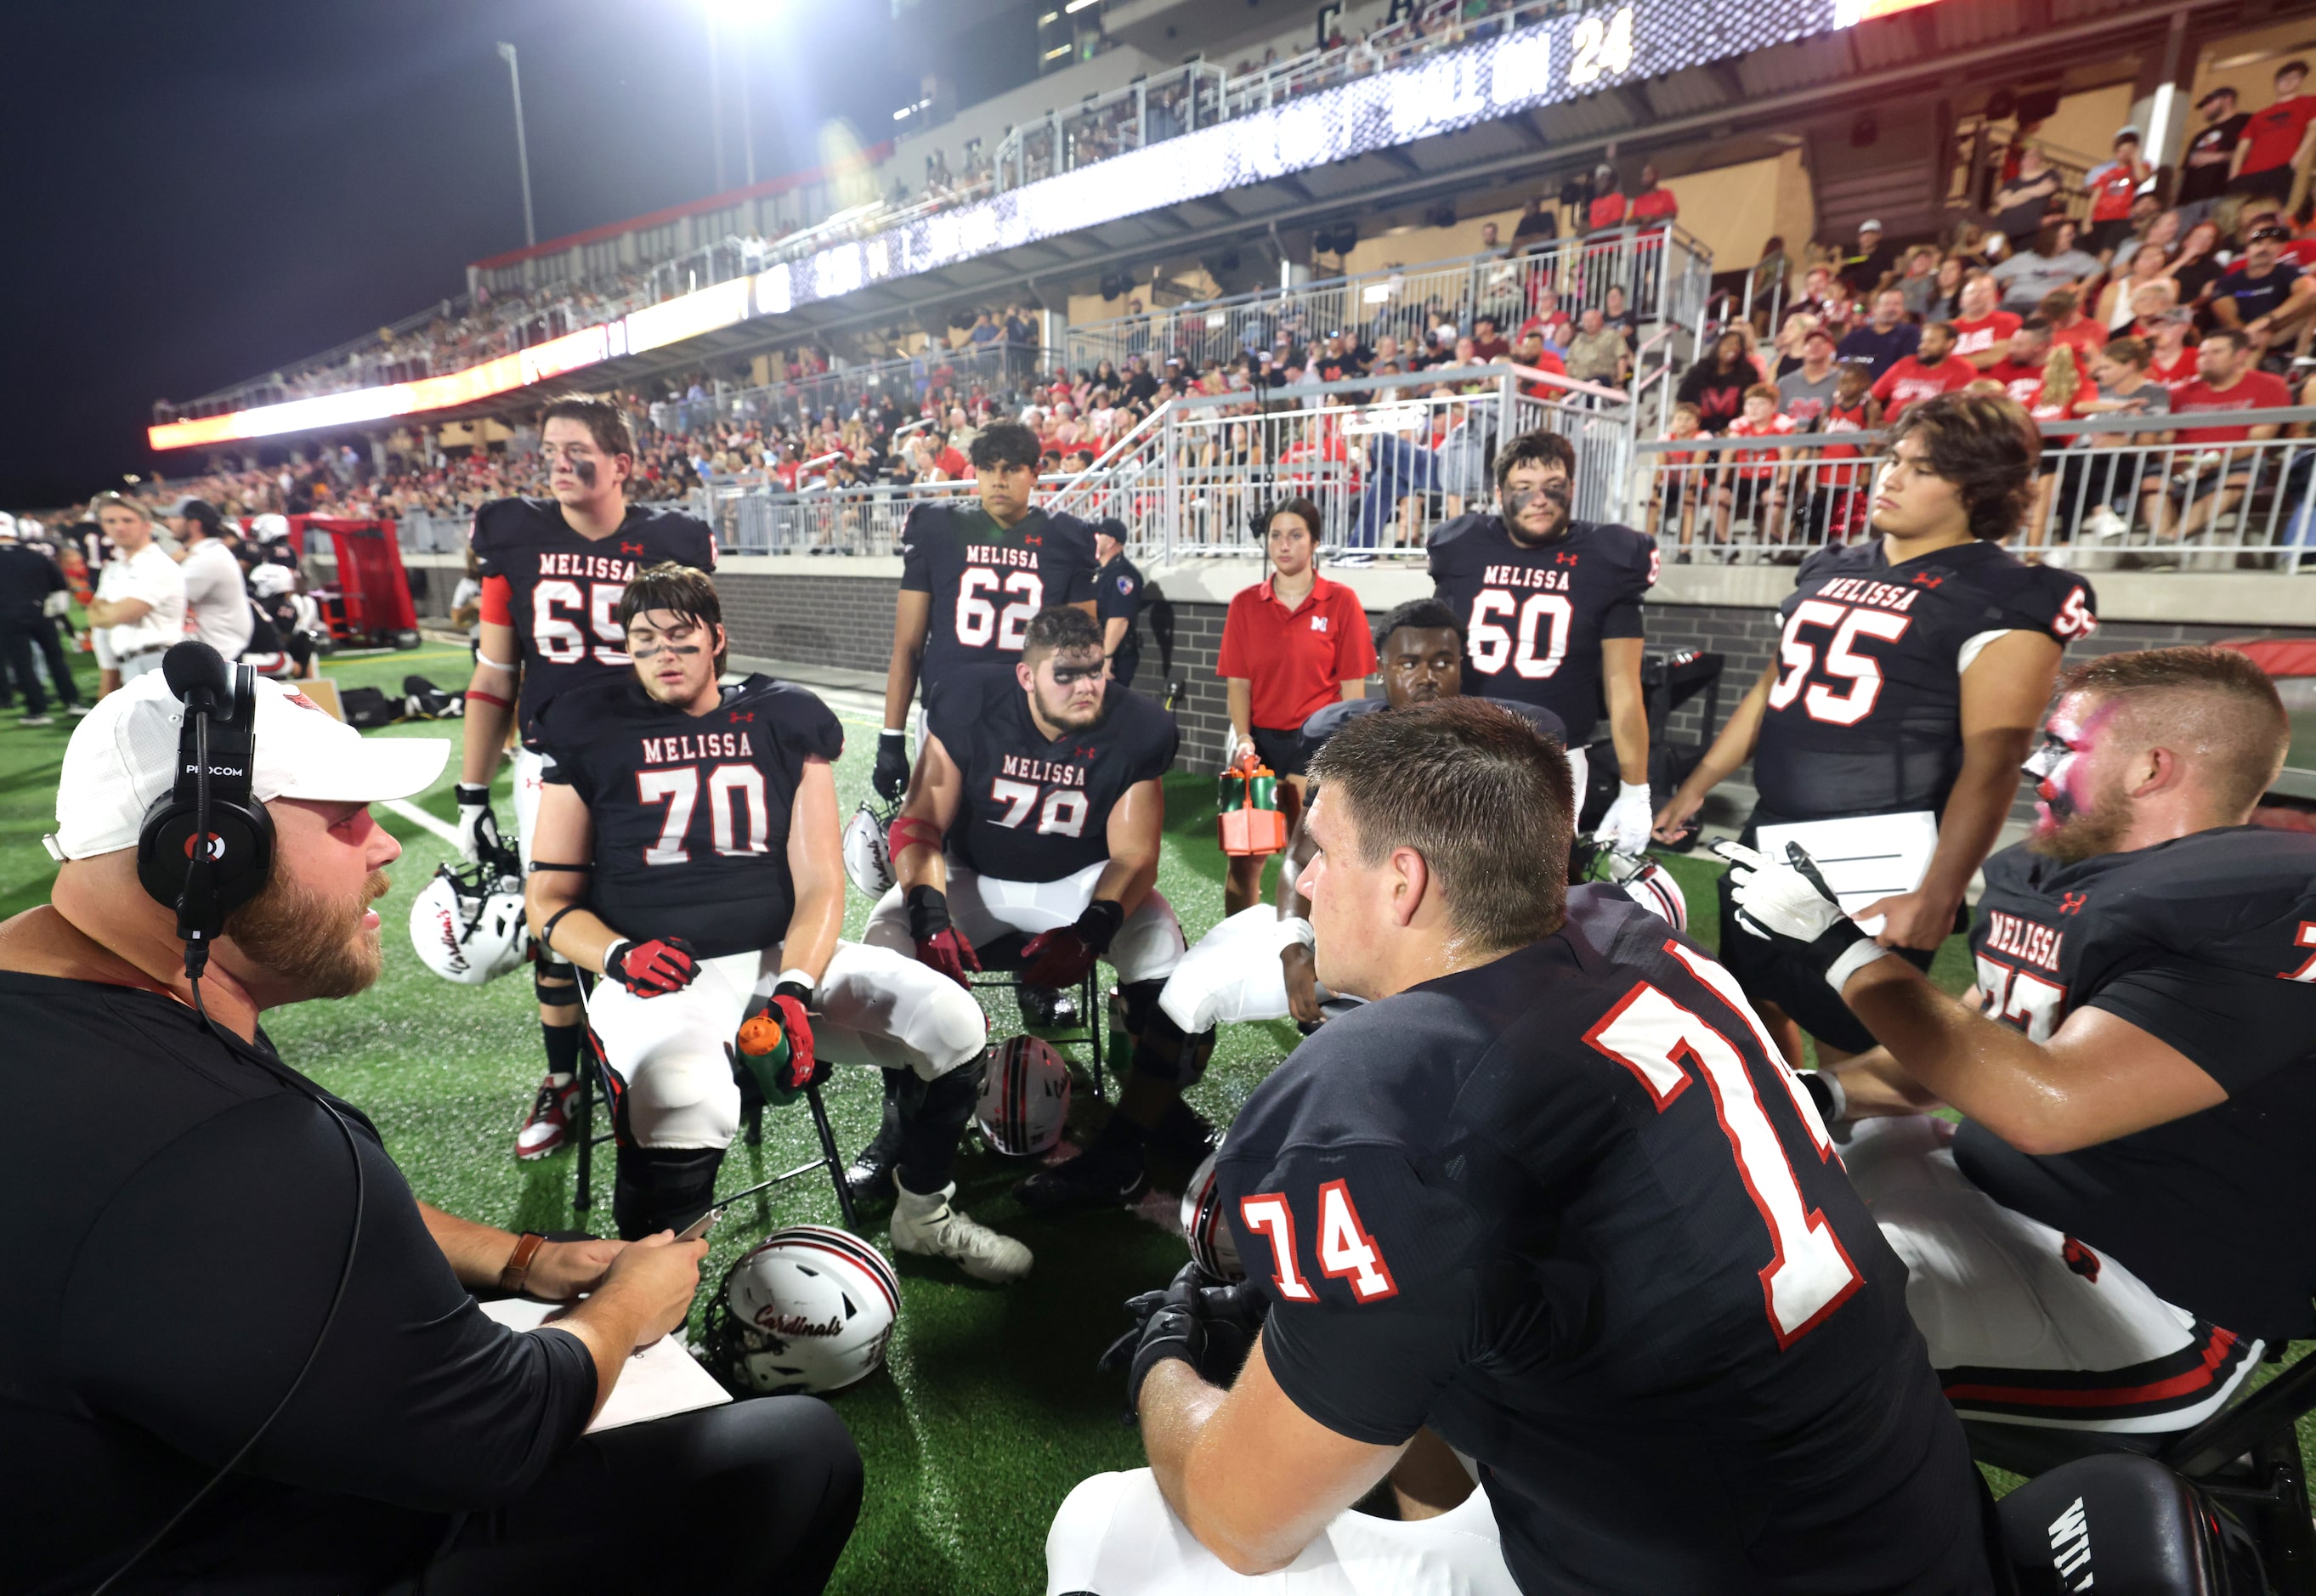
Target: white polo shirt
217 599
153 576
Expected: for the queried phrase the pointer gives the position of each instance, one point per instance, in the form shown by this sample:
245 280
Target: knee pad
682 1099
1162 1050
555 983
662 1188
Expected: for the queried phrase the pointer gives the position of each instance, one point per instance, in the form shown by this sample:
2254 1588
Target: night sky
199 194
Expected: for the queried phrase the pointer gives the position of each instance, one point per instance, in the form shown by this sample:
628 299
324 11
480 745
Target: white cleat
929 1228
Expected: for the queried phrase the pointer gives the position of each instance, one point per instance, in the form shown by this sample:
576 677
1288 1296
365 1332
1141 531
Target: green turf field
991 1408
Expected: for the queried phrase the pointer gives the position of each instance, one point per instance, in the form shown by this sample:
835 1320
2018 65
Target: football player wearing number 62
971 577
1910 678
552 571
687 850
1551 1195
1550 613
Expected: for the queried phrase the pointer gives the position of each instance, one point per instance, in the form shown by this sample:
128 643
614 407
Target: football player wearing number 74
1550 1195
1911 675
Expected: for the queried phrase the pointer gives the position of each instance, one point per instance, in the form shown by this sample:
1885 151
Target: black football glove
1064 956
654 968
940 946
1791 903
891 776
1211 1328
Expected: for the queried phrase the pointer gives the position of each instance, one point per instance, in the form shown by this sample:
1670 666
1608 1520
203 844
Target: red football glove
940 946
653 968
804 1070
1064 956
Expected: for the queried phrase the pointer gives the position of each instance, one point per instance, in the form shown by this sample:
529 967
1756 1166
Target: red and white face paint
2077 815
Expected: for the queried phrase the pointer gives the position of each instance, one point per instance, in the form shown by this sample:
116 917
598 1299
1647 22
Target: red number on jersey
1660 1042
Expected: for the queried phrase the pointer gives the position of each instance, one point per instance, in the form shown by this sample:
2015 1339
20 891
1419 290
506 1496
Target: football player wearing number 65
1909 678
1550 613
687 850
1551 1195
552 572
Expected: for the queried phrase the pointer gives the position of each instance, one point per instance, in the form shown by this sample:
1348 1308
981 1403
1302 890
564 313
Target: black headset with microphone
207 848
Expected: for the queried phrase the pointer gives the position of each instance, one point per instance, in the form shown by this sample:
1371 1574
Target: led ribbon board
1560 58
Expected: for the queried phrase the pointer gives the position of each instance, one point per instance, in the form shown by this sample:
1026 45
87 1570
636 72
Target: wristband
485 659
1294 930
795 984
489 698
518 1263
1825 1091
469 793
1098 926
1852 959
894 731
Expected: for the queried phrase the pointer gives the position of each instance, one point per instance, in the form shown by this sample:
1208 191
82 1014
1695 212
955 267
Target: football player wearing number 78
1910 677
1550 1195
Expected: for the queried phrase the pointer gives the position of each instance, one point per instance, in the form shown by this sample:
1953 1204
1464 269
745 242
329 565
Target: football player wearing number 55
1910 676
1551 1195
1551 611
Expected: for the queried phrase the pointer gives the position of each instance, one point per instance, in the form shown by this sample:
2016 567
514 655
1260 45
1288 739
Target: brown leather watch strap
518 1263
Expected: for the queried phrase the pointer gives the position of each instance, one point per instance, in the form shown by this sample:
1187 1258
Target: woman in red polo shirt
1292 644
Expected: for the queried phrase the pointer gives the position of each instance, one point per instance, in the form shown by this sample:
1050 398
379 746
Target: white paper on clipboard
660 1379
1863 857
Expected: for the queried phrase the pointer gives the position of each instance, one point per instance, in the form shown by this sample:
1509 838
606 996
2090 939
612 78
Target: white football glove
1792 903
478 826
1626 827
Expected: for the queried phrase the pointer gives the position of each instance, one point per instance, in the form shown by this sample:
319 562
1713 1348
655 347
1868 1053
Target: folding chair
1093 1016
2246 1457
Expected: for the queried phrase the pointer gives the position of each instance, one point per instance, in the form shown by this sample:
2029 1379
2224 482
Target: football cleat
809 1308
1025 1098
1184 1134
929 1228
550 1124
1045 1007
1207 1226
1103 1176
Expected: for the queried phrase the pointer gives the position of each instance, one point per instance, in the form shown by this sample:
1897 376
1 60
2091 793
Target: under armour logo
1088 754
2072 903
1564 560
1034 542
1928 578
740 714
2080 1258
631 549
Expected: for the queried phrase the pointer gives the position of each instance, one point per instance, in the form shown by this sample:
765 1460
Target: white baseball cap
124 755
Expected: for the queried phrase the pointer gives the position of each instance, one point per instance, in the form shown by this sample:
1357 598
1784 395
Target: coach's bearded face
323 944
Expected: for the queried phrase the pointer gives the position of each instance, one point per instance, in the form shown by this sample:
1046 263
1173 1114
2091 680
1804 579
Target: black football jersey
690 811
1035 809
1335 717
564 590
986 581
1865 715
1571 1210
1534 618
2208 944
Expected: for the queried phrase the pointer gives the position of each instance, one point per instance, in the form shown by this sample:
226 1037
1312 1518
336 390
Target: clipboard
1863 857
659 1379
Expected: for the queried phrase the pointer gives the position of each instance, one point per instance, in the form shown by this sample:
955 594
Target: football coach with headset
239 1354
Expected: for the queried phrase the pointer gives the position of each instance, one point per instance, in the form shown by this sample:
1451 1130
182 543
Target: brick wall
829 621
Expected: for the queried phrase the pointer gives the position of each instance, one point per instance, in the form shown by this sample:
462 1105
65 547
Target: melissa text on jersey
683 750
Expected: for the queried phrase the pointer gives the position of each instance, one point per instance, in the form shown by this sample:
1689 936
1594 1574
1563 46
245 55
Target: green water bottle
764 1048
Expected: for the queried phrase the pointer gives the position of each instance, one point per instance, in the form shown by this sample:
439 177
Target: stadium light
521 149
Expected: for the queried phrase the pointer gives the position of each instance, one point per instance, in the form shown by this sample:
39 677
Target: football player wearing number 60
688 850
1909 678
1551 1195
552 572
972 576
1550 613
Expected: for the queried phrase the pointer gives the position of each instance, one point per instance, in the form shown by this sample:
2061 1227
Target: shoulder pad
1326 722
1543 720
1463 526
1821 563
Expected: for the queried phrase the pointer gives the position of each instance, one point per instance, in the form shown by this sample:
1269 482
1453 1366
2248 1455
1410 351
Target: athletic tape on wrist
1293 929
1853 959
798 978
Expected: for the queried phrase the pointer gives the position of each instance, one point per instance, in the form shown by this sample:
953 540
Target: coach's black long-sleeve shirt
176 1221
27 578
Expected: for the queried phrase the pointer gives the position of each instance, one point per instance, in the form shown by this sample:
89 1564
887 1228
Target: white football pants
1115 1535
2010 1303
873 1007
528 786
1233 975
1148 947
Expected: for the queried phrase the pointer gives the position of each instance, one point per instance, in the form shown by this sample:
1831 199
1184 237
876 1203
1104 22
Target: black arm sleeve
193 1301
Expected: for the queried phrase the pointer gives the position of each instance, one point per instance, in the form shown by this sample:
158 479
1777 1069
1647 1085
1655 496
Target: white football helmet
1025 1098
868 856
1647 884
270 580
467 925
808 1309
269 529
1206 1226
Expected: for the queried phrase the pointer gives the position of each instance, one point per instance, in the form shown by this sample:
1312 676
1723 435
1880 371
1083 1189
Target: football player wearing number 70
1910 678
1551 1196
552 572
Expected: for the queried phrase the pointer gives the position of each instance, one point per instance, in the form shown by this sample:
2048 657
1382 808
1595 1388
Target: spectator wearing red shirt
1752 488
2112 186
2021 372
1930 369
1292 644
2174 363
1487 343
1609 207
2064 309
1838 497
1982 329
1533 354
2204 490
2276 142
1653 203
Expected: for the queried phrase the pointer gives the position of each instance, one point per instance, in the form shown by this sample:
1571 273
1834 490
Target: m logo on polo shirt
1318 623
